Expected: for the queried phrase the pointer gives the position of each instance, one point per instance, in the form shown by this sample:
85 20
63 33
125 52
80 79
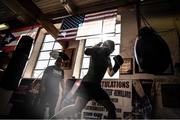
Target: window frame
49 60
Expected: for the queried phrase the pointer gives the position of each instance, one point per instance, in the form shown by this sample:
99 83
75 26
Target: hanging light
4 26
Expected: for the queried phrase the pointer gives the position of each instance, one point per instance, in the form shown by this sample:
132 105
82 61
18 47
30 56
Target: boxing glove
118 62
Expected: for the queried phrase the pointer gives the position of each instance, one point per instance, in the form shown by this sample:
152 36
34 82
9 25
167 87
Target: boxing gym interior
146 34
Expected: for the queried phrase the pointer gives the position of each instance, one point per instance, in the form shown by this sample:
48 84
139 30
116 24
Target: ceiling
18 13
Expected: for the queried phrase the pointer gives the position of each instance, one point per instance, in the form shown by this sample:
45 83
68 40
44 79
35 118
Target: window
99 31
44 58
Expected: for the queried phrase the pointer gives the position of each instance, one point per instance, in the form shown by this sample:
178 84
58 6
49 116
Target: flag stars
8 39
63 34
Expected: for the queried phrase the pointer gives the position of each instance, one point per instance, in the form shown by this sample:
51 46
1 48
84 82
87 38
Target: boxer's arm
89 51
110 68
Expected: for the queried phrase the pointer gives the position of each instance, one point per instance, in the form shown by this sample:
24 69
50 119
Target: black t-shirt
99 63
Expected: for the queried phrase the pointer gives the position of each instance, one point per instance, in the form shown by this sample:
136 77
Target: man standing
52 80
90 87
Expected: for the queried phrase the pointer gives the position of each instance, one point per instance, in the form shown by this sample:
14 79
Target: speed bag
12 75
151 52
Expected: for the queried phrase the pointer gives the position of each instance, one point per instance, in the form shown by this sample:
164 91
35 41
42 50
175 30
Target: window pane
57 46
51 62
41 64
115 38
48 38
118 28
116 51
85 63
44 55
47 46
83 72
37 73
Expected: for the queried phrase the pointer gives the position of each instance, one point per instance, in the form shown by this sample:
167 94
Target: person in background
90 87
52 81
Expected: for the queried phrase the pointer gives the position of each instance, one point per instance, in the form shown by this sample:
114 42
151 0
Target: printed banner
120 92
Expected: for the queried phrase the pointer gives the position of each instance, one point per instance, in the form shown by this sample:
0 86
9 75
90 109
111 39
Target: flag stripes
100 15
98 25
69 28
68 34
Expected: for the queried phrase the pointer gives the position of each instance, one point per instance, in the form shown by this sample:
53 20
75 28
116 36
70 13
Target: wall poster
127 66
120 92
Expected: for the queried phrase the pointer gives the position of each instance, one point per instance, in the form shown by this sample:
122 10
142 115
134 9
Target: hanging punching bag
12 75
151 52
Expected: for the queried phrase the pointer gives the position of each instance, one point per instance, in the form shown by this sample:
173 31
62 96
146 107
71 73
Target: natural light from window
99 31
44 58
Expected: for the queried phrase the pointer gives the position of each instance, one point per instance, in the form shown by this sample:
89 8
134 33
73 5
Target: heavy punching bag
151 52
12 75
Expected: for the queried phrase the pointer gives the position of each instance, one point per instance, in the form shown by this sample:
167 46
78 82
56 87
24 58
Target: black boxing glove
118 62
100 43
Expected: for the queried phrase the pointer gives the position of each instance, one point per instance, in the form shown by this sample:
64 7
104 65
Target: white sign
120 92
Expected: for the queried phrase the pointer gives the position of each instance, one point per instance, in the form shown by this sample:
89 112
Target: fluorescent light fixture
3 26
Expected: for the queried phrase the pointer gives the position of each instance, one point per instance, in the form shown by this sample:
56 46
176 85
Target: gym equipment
152 53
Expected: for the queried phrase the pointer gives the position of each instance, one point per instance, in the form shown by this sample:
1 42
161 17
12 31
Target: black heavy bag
151 52
14 70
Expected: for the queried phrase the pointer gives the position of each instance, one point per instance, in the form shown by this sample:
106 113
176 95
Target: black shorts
89 90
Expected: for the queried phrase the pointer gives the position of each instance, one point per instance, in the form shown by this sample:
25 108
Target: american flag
93 24
15 36
69 27
71 24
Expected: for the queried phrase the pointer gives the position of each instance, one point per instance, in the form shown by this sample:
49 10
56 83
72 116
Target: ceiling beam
90 8
69 6
29 12
104 5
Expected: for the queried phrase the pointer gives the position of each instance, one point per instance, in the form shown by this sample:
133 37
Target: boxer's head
109 44
61 58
